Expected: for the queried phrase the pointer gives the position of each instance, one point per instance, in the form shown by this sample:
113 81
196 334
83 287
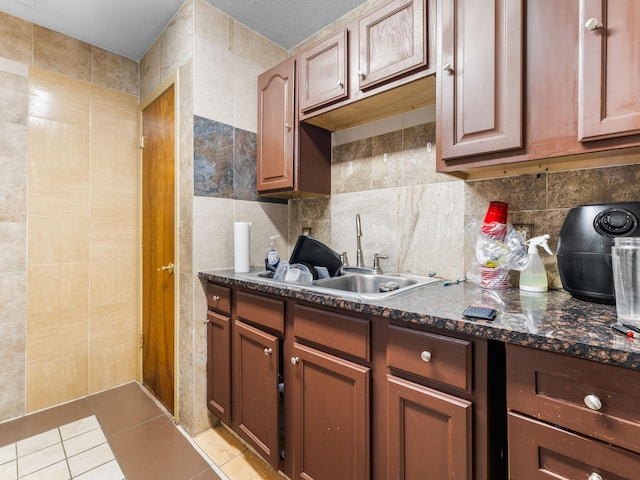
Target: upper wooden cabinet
479 86
293 159
392 42
324 74
276 116
609 73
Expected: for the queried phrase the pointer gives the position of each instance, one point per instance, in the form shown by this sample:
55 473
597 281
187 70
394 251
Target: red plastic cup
495 220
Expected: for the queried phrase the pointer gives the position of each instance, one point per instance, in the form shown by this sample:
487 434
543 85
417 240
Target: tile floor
116 434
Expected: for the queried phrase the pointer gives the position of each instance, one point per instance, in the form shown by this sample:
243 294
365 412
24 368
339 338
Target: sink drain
388 286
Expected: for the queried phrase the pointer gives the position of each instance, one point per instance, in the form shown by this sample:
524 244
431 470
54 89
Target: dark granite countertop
552 321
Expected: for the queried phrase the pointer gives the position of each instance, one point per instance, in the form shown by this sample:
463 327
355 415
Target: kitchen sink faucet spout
359 256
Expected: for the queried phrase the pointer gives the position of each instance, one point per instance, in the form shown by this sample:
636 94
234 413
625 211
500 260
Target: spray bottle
271 256
534 278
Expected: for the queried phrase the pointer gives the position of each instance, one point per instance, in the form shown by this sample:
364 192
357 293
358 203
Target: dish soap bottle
272 257
534 277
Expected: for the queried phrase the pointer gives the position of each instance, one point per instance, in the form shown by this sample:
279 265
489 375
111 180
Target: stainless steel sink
370 286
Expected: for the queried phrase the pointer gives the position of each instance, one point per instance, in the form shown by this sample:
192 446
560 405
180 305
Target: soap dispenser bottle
272 257
534 277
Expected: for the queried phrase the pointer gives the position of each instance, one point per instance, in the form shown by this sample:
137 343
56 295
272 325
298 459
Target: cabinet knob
267 351
287 127
216 298
295 360
592 24
593 402
595 476
339 84
425 356
360 73
447 68
205 321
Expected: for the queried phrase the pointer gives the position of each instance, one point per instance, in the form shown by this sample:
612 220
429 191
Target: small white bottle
534 277
272 257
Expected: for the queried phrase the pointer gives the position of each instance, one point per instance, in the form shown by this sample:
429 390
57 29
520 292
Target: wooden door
276 119
331 401
609 83
479 87
219 365
538 451
429 433
158 200
255 389
323 72
392 42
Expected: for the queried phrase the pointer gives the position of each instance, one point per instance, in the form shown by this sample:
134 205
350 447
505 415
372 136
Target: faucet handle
376 262
344 259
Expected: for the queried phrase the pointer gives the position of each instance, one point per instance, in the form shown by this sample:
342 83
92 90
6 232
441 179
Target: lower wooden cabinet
219 365
330 397
429 433
540 451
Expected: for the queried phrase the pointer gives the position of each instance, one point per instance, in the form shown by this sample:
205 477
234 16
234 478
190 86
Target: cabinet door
323 72
276 127
255 389
479 87
331 416
609 72
219 366
429 433
538 451
392 42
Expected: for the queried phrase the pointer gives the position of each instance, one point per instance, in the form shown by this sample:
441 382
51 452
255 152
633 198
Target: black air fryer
584 247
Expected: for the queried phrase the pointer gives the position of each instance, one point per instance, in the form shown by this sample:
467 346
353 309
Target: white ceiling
129 27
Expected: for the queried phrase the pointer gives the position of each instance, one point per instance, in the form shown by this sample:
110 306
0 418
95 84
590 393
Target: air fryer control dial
615 222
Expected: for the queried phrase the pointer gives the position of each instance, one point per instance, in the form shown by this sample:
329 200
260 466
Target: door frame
171 80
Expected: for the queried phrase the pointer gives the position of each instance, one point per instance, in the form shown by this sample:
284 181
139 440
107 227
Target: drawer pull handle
267 351
294 360
594 403
425 356
216 298
595 476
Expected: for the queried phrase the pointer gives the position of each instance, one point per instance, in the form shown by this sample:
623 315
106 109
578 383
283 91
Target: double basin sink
359 284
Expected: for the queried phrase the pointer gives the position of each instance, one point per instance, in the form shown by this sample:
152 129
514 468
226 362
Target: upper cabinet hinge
141 141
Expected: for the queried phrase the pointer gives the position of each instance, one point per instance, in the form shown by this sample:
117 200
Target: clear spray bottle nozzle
540 241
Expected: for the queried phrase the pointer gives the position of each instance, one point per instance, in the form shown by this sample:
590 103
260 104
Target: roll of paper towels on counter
241 247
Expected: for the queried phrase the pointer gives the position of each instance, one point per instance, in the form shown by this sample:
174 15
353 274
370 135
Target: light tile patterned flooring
78 450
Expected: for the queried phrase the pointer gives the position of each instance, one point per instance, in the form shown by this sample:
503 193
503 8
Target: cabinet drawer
259 310
219 298
559 389
442 359
537 451
336 332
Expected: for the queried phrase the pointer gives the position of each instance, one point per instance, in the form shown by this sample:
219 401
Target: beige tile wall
68 130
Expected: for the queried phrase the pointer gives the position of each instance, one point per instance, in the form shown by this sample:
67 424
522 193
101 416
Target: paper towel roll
241 247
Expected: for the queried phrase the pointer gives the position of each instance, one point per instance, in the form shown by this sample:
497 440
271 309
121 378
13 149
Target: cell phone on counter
478 311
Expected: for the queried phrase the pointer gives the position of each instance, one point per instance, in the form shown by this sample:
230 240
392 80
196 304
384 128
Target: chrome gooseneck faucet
359 256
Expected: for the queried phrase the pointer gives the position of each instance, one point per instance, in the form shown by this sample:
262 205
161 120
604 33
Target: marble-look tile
58 195
214 80
60 53
13 197
351 167
186 378
57 97
12 346
79 427
419 156
113 111
40 459
212 233
116 282
213 158
58 239
599 185
114 197
245 94
12 395
13 147
114 153
151 69
266 219
55 382
17 38
8 453
249 466
310 212
210 26
13 296
16 68
386 160
70 336
112 366
37 442
114 71
13 246
58 147
378 211
185 227
112 324
14 98
185 123
430 232
112 238
244 165
524 192
177 40
90 459
254 47
219 445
